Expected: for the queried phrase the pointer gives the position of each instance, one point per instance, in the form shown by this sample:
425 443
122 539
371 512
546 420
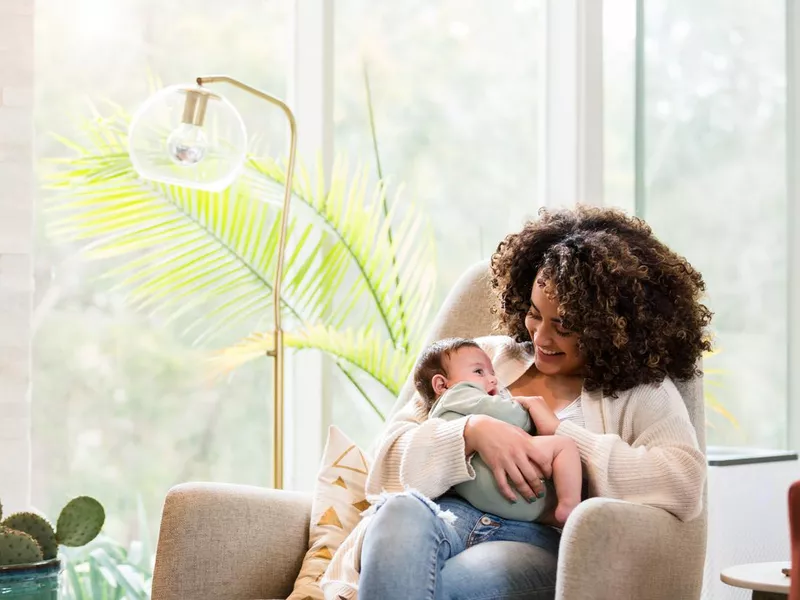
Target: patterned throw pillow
339 499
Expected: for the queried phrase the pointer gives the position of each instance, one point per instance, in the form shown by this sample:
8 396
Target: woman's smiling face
556 348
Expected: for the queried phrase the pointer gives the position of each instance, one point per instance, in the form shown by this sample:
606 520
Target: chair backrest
794 532
466 312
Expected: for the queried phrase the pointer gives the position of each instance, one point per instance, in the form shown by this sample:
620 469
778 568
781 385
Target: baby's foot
564 510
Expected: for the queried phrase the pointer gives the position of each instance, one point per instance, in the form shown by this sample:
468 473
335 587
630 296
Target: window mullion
311 96
793 222
572 115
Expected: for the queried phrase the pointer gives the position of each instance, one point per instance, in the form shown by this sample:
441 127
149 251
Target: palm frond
360 348
711 400
718 407
184 247
187 246
364 349
396 272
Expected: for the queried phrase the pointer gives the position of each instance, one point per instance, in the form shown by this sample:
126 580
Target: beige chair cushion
338 501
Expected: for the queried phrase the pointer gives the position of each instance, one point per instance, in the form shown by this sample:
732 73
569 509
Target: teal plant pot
36 581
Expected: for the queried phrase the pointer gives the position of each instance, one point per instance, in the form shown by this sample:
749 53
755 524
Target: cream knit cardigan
640 447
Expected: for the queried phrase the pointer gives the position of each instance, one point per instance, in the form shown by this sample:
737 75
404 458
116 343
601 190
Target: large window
712 168
455 90
122 407
694 142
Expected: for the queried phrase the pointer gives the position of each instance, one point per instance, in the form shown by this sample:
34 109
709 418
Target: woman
600 319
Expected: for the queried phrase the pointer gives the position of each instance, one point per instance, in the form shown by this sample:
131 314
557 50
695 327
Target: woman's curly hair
633 302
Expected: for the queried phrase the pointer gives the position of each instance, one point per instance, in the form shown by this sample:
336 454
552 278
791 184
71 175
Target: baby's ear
439 384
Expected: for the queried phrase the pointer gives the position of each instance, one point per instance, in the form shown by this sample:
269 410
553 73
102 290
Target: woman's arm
431 455
663 465
425 454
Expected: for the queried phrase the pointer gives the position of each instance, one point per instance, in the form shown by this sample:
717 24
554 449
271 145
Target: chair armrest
612 549
230 541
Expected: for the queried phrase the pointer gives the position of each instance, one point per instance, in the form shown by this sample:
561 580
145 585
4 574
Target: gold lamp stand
277 352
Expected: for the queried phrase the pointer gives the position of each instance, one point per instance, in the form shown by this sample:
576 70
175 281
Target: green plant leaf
397 276
103 569
360 348
75 587
98 584
178 258
145 565
715 405
123 575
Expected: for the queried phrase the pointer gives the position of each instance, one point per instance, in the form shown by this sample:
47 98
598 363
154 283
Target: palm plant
712 381
106 570
350 251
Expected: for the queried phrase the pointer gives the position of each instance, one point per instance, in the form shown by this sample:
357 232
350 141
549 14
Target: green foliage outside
108 570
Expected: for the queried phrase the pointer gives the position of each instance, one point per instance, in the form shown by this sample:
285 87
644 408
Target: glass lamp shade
205 151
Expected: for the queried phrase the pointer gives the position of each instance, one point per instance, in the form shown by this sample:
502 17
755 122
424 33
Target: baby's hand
542 416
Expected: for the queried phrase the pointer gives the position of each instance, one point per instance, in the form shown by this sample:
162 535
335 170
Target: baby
454 378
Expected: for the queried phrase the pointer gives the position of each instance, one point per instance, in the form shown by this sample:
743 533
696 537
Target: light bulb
187 145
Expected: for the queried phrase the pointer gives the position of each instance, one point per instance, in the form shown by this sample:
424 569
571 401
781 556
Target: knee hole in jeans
405 506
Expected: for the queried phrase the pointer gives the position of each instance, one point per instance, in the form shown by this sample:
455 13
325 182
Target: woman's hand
511 454
542 415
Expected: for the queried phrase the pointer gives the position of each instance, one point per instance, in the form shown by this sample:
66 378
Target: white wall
16 247
748 520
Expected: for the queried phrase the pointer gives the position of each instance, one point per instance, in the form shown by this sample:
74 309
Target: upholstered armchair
240 542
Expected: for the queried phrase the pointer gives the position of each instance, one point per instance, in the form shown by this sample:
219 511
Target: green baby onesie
482 492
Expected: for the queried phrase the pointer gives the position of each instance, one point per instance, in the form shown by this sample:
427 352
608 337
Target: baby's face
473 365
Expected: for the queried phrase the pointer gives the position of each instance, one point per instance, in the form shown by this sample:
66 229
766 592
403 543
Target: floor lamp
190 136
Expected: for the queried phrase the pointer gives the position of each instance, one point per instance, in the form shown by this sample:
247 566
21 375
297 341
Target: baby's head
448 362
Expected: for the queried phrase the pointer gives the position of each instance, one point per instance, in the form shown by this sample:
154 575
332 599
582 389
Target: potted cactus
29 564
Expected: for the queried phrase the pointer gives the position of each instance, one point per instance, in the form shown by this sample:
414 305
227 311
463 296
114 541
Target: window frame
311 96
572 110
793 220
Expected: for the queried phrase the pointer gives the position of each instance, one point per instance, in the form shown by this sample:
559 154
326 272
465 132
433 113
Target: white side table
765 579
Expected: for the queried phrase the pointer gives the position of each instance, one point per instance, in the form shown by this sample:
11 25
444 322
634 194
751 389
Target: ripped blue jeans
416 549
